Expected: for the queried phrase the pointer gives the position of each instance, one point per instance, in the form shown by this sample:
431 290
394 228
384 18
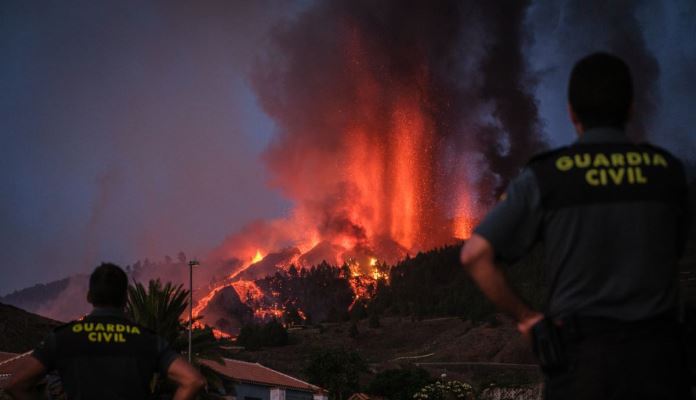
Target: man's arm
22 385
477 256
190 381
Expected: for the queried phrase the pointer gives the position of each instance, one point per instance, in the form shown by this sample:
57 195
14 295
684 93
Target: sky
131 129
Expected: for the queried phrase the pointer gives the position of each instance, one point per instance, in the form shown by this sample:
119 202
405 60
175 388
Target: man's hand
477 256
525 325
190 381
22 385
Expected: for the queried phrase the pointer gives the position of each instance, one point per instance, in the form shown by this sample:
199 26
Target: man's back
105 356
613 223
613 219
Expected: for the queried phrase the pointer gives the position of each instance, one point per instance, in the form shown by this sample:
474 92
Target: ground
478 353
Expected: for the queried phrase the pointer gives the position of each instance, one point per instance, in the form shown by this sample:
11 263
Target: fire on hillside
397 126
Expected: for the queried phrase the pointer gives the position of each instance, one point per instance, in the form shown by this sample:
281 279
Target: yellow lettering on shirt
617 175
633 158
617 160
564 163
659 160
592 178
583 160
601 160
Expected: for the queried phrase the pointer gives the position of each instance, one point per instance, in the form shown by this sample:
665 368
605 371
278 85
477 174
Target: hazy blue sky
129 129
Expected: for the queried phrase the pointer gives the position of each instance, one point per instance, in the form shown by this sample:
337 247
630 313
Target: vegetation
337 370
255 336
399 384
322 292
446 390
159 308
435 284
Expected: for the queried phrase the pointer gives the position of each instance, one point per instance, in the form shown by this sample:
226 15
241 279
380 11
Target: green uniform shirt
613 219
105 356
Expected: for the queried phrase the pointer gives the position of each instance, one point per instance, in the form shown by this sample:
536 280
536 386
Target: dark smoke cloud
129 129
654 39
463 61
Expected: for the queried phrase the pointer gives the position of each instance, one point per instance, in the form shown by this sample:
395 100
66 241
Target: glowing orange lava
257 257
247 291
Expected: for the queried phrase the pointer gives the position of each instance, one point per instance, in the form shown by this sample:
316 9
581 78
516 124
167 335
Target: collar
107 312
603 135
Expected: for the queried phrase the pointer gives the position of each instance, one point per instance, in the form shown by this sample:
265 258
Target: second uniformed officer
612 215
105 355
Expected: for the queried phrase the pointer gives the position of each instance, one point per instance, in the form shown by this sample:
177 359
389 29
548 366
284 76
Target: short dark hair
600 91
108 286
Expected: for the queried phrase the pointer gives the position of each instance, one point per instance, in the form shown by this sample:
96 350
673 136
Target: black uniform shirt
105 356
612 216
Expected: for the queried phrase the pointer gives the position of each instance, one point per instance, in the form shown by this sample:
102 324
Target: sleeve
513 225
687 220
45 352
165 356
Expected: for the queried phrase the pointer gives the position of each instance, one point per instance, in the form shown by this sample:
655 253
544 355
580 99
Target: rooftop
258 374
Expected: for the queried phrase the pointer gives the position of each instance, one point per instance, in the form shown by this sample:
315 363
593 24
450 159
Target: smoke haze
136 130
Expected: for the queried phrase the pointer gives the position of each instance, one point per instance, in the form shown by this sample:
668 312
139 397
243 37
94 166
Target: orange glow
203 303
258 257
248 291
373 189
464 222
273 311
220 334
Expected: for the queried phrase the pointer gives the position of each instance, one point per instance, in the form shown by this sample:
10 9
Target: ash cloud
463 62
650 36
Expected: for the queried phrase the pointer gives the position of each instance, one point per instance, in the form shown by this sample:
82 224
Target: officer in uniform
105 355
612 215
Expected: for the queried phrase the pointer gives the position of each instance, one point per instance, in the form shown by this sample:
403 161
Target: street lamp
191 265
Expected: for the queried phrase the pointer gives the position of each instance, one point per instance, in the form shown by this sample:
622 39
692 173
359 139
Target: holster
548 346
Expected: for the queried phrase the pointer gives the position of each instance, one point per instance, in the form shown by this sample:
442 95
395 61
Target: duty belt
576 327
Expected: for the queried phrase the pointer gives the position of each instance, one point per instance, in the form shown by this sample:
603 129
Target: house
242 380
364 396
253 381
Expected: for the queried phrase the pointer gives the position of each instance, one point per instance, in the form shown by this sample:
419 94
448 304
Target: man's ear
89 296
575 120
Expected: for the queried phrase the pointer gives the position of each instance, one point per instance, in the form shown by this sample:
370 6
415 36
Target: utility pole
190 330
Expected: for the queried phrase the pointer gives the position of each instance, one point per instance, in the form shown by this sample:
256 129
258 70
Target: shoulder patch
546 154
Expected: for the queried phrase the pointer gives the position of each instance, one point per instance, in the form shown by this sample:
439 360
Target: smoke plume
398 121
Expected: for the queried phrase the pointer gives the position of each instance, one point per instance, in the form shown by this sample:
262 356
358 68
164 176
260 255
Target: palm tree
159 308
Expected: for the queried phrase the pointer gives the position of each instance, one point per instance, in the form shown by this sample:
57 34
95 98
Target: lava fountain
395 132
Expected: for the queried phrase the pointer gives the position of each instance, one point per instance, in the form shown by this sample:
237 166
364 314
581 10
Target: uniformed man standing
105 355
612 215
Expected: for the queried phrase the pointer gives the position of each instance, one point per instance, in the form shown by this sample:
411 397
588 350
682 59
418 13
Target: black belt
579 326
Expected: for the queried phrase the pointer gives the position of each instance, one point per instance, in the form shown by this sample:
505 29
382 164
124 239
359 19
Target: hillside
21 331
479 353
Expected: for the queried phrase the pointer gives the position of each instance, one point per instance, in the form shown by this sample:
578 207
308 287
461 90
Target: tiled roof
255 373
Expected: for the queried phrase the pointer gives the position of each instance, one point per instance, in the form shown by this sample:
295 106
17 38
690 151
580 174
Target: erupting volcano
397 125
